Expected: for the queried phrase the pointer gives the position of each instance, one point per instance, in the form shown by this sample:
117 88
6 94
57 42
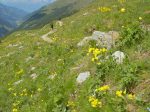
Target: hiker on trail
52 26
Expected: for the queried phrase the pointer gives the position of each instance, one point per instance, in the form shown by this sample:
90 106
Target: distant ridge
10 18
53 11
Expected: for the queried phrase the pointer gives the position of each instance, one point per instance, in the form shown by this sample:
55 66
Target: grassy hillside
36 76
53 11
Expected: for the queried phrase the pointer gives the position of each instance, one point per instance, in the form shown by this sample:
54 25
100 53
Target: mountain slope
54 11
40 76
10 18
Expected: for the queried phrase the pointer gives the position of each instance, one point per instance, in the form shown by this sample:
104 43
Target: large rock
82 77
115 35
102 39
118 56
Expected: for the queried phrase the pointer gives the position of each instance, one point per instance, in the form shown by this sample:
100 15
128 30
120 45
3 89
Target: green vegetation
47 72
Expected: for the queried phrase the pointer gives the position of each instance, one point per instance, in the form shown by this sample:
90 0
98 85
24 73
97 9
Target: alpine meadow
78 56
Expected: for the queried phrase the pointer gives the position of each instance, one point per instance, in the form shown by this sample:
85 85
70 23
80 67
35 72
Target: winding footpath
46 38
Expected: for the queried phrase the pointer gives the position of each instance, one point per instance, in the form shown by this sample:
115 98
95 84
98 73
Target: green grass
51 95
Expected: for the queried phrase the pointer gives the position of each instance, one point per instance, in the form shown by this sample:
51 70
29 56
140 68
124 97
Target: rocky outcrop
102 39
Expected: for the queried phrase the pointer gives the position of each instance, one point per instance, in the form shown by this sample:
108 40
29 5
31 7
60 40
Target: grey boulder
82 77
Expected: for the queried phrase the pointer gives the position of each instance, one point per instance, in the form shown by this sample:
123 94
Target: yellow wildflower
119 93
91 50
88 54
25 90
70 104
125 91
140 18
20 72
131 96
104 50
93 59
99 63
104 9
96 103
25 94
91 98
21 94
15 94
10 89
39 89
103 88
14 104
72 51
123 10
8 84
15 110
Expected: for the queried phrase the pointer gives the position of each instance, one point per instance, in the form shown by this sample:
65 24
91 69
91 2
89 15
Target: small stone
34 76
20 47
118 56
28 59
85 14
18 82
52 76
82 77
33 68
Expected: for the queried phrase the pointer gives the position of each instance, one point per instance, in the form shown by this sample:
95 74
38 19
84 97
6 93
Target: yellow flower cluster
54 38
15 106
122 10
104 9
140 18
121 93
103 88
70 104
15 110
95 102
131 96
96 52
10 89
39 89
21 71
24 92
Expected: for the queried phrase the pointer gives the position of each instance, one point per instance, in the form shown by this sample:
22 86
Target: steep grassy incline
37 76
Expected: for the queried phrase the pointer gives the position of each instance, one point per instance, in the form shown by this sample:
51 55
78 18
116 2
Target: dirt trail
46 38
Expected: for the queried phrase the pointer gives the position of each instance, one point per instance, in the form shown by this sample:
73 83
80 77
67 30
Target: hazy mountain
10 18
27 5
53 11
